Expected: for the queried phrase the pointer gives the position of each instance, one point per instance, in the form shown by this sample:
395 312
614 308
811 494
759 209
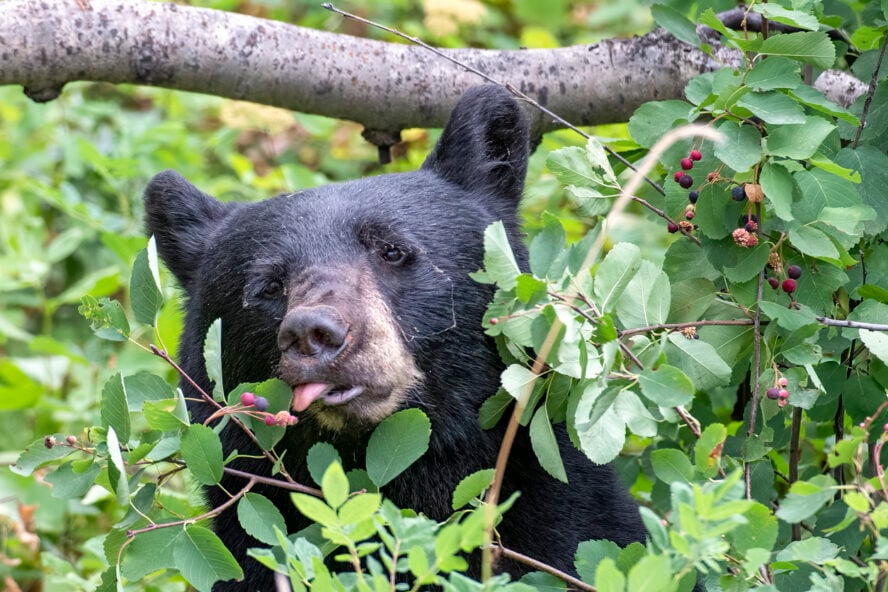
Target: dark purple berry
773 393
789 285
247 399
774 282
672 227
686 181
687 164
794 271
695 155
738 193
261 403
693 196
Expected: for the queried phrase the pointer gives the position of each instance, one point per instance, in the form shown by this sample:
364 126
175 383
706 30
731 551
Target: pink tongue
305 394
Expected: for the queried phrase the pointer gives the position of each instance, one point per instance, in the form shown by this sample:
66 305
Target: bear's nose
316 331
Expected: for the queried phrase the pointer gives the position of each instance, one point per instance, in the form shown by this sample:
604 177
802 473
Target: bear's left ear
484 145
182 220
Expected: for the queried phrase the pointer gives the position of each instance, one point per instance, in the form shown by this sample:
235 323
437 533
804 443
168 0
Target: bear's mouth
330 394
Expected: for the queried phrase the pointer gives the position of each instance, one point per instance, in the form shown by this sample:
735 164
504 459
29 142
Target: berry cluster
686 181
793 273
778 392
260 404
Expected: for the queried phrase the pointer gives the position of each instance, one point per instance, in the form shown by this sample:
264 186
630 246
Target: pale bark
45 44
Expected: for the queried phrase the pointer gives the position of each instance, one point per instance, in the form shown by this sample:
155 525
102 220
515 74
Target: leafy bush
734 370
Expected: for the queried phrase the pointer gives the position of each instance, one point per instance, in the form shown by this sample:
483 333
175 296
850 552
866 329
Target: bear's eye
392 254
272 289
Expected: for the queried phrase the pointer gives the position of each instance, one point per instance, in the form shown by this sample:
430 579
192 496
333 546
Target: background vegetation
70 227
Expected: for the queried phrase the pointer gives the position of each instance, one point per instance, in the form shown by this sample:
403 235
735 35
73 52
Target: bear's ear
484 145
182 219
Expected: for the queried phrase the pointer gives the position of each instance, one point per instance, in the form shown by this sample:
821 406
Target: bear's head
355 294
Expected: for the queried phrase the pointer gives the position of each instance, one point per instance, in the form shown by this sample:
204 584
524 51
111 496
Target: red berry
689 214
261 403
72 440
783 394
695 155
687 164
269 420
678 176
672 227
494 321
247 399
774 282
789 285
885 428
686 181
773 393
794 271
782 381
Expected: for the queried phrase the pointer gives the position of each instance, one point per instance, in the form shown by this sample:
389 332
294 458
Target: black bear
358 295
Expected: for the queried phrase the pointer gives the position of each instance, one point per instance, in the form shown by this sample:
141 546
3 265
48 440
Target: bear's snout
313 331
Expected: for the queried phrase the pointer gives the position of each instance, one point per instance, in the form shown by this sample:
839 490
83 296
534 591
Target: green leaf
816 550
608 577
602 437
545 446
758 531
500 266
667 386
614 273
811 47
166 415
145 295
320 456
676 23
545 249
590 554
68 482
793 18
396 444
597 155
17 389
813 242
571 166
334 484
359 508
117 468
202 558
811 97
516 379
774 73
708 449
37 454
741 148
315 509
700 361
652 120
142 387
213 358
648 574
671 465
472 486
876 342
258 516
106 317
773 107
749 263
202 452
646 299
632 411
778 186
151 551
805 498
115 410
798 141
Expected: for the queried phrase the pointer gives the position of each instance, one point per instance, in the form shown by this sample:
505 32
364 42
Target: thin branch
851 324
540 566
206 515
871 91
676 326
795 455
755 371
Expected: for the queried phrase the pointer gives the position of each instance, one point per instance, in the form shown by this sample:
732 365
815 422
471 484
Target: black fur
474 176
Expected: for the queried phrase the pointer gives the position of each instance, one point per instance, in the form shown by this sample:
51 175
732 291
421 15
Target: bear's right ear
484 145
181 218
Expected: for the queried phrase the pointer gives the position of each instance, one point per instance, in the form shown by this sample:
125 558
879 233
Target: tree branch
384 86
